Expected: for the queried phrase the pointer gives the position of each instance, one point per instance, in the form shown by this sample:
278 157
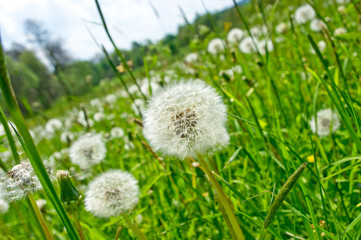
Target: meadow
252 132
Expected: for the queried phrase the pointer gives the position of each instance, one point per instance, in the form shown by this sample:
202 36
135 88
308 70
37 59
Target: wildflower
116 132
20 181
304 13
281 28
343 1
191 58
53 125
216 46
4 206
235 35
317 25
311 158
248 46
258 31
342 9
83 120
186 119
111 98
88 150
237 69
321 46
66 137
95 102
340 31
112 193
325 119
98 116
264 45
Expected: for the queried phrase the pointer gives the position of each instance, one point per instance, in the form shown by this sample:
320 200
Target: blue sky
128 20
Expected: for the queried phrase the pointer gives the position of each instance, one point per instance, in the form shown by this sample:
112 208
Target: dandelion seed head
88 150
191 58
235 35
281 28
265 44
112 193
248 46
20 181
117 132
340 31
185 119
317 25
99 116
66 136
216 46
304 13
325 119
53 125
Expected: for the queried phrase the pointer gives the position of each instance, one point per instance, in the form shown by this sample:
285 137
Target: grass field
288 87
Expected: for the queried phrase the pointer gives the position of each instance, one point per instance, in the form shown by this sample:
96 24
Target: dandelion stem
223 200
134 227
40 217
78 226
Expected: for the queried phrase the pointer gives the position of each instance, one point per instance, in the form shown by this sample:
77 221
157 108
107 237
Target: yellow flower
311 158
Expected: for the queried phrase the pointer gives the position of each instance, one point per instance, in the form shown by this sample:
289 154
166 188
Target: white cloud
128 20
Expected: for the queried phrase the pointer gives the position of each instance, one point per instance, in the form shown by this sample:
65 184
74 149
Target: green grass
269 106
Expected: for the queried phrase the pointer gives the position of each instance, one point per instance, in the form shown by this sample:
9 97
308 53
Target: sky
128 21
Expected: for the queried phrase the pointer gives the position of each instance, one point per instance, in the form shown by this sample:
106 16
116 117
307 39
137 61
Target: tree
52 48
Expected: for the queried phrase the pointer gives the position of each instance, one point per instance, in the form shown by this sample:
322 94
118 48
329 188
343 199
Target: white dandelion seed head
88 150
317 25
111 98
325 119
237 69
228 72
341 9
304 13
321 46
247 46
4 206
53 125
343 1
185 119
235 35
216 46
95 102
265 44
258 31
282 28
340 31
112 193
66 136
99 116
117 132
20 181
191 58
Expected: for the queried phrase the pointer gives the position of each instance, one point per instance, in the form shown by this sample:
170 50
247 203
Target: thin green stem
40 217
223 199
134 227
